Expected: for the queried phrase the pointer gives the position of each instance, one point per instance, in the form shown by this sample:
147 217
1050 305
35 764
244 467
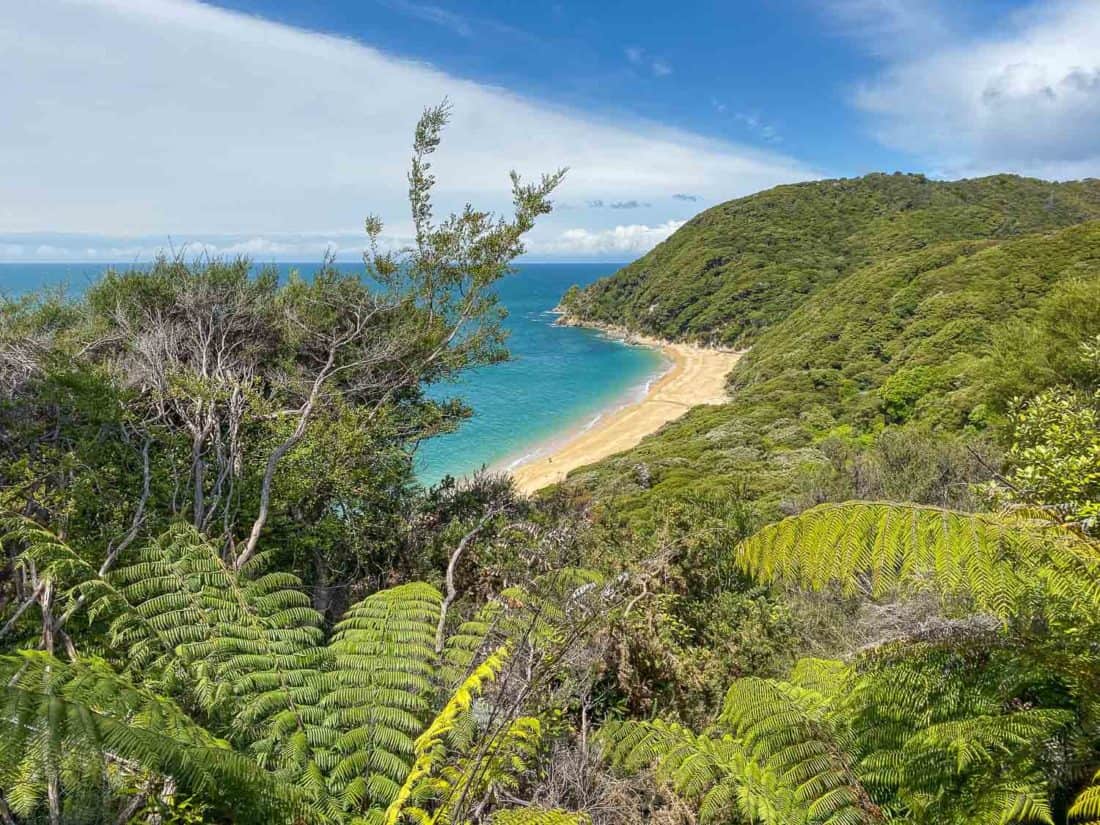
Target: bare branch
452 565
276 456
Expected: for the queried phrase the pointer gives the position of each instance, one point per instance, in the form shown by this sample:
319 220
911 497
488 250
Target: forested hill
866 590
887 383
741 266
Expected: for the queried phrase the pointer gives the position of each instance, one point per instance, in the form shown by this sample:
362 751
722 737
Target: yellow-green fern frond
431 746
376 698
538 816
1086 807
996 560
789 730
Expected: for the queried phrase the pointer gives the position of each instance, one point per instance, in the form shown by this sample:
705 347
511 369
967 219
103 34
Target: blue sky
773 73
271 127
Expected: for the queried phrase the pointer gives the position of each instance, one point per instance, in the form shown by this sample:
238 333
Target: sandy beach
697 376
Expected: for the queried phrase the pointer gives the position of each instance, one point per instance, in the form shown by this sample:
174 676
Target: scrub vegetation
865 590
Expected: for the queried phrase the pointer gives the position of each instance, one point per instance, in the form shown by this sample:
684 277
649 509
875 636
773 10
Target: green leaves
1003 563
378 694
77 719
805 751
946 727
373 719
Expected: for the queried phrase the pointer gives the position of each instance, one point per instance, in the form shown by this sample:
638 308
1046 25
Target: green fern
430 748
1002 562
371 718
841 744
378 695
73 720
538 816
1086 807
711 770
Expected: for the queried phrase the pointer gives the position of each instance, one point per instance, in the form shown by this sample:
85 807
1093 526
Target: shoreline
697 376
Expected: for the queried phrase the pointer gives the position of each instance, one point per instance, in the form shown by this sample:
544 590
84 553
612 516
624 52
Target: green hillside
925 342
739 267
864 590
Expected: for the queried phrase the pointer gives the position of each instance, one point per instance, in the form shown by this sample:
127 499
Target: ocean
558 381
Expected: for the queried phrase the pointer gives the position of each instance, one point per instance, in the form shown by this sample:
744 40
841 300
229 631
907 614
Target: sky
272 128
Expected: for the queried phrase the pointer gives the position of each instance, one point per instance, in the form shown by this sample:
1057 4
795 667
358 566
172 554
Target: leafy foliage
908 349
370 721
734 270
996 561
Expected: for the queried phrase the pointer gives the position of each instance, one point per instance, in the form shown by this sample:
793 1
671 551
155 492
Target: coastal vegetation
864 590
736 269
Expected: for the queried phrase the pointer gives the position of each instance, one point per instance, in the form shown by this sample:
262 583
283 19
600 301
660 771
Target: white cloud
69 247
1027 100
757 125
625 241
637 56
891 27
661 68
142 118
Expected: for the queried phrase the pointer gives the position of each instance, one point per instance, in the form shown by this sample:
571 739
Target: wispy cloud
1025 100
181 119
658 66
599 203
760 128
433 14
464 25
680 196
661 68
891 27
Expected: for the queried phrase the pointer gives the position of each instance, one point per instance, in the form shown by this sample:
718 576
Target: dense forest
738 268
865 590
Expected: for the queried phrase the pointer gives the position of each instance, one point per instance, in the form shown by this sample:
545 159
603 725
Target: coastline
697 376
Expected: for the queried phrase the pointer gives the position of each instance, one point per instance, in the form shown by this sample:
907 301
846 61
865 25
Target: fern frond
538 816
711 769
1022 804
51 710
376 697
789 730
430 747
248 642
996 560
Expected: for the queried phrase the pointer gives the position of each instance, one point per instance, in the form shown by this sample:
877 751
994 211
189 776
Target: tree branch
277 455
451 566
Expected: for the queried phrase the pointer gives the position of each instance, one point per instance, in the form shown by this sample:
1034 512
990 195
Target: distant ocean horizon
558 381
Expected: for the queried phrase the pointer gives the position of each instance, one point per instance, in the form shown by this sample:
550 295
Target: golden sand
697 376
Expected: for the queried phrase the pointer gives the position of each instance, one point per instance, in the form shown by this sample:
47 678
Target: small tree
251 408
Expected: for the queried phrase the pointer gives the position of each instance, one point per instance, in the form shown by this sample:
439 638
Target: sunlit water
558 381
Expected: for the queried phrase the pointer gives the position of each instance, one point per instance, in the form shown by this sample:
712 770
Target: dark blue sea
558 381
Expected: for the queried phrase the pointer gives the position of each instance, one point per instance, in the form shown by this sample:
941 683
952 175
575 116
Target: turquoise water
560 379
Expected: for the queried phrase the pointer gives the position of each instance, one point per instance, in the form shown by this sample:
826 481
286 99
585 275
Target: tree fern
837 743
377 697
374 716
1086 807
430 747
790 729
537 816
710 769
84 715
1001 562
